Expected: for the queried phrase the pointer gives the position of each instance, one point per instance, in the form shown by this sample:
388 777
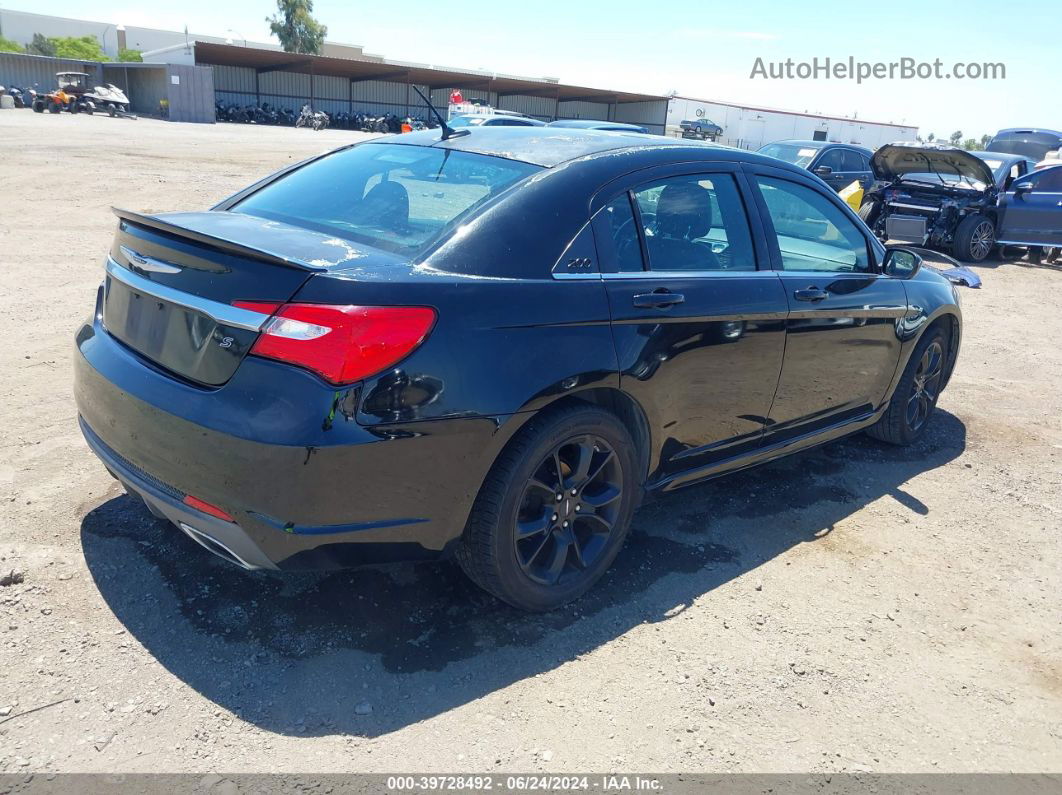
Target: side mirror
901 263
1022 187
823 171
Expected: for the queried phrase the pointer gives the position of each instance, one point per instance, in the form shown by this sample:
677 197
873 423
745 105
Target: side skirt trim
765 454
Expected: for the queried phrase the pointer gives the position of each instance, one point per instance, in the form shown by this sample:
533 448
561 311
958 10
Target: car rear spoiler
158 224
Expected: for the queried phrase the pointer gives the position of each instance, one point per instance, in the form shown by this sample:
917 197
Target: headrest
684 210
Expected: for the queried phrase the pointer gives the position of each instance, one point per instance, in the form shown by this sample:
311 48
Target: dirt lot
856 608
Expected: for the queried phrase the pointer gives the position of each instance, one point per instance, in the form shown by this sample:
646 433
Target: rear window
395 197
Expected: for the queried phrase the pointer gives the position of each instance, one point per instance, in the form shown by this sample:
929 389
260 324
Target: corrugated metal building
36 71
250 76
191 77
188 89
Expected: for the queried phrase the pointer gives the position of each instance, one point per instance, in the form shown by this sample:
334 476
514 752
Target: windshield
1031 145
999 168
395 197
797 154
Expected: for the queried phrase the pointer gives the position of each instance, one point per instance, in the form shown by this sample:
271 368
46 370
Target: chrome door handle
810 294
660 299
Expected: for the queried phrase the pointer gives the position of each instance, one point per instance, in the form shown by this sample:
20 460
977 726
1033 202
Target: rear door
857 168
843 341
698 326
1031 211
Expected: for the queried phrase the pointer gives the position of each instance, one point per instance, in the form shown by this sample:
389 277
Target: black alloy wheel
975 238
554 510
569 510
915 398
926 387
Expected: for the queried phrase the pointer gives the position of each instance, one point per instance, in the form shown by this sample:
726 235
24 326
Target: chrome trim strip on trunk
223 314
140 262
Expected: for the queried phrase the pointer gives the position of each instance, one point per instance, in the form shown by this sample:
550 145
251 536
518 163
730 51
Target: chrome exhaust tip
211 544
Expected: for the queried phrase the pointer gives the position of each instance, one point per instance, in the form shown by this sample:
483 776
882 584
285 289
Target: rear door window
853 161
695 223
621 232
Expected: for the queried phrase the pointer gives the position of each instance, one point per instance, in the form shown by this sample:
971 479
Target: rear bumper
225 539
282 453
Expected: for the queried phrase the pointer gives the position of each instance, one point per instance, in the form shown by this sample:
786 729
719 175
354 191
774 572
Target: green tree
972 145
931 138
297 30
85 48
955 137
984 140
6 45
40 46
129 56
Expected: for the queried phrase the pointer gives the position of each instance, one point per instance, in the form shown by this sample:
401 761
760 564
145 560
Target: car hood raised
893 161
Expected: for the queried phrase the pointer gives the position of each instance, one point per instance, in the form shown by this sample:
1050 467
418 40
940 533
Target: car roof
1028 131
802 142
822 144
551 146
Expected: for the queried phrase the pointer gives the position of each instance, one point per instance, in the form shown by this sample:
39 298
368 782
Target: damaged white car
940 197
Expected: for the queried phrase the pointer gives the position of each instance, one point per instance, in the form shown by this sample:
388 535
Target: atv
75 95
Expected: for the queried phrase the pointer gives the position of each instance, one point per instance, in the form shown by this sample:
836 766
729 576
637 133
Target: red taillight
206 507
340 343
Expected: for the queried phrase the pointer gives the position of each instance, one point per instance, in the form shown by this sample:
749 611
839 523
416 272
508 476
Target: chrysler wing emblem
148 264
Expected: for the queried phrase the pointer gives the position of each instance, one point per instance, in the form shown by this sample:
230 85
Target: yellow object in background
853 194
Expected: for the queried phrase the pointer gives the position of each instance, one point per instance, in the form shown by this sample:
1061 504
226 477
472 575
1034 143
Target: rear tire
538 540
975 238
915 398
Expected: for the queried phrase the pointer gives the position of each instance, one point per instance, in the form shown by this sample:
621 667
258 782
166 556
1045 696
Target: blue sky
699 48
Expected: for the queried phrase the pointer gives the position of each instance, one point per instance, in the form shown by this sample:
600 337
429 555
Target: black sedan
493 346
839 165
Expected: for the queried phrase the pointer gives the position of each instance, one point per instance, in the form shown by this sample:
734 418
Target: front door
843 342
1031 211
699 329
836 177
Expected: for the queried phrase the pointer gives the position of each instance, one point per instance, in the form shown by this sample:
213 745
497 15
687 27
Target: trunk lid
172 280
952 166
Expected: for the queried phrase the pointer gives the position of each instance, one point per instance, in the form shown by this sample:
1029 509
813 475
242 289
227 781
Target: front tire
915 399
975 238
868 212
554 510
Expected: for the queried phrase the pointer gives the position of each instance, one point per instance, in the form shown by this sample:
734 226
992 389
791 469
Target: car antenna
447 130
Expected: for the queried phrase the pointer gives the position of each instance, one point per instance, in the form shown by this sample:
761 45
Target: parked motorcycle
23 97
318 120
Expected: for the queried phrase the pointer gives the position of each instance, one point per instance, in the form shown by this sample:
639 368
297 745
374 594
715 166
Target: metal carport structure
248 75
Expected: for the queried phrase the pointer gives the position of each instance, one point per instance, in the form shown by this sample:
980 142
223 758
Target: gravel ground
855 608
